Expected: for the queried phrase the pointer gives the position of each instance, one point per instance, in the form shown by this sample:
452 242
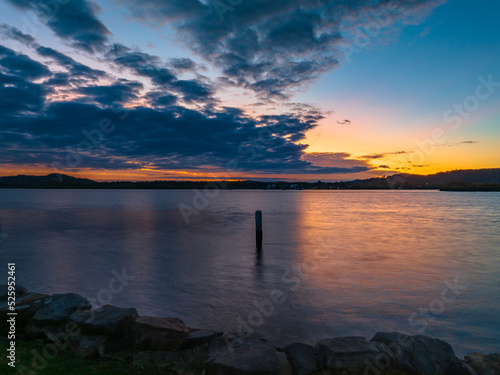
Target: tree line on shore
460 180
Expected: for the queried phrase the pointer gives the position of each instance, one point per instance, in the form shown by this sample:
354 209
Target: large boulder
189 361
55 333
88 346
59 307
169 334
171 325
161 327
106 320
353 353
4 291
196 337
93 346
252 356
26 306
418 354
304 359
484 364
160 334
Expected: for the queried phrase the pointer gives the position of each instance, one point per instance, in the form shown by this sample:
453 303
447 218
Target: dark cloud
192 90
183 63
343 161
383 155
151 66
160 99
75 68
469 142
269 47
119 93
59 79
165 135
274 47
15 34
460 143
163 139
22 65
75 21
18 97
77 74
344 122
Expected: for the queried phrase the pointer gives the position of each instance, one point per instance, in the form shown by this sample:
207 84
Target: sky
248 89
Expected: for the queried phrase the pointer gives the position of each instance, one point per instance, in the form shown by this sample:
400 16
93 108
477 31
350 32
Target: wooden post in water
258 228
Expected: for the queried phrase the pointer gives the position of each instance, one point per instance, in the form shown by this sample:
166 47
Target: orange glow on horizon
169 175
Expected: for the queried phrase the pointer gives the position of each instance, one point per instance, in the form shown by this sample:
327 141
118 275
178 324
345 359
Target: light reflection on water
346 262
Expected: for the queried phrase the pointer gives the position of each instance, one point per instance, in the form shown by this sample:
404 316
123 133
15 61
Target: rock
304 359
87 346
161 334
26 306
252 356
31 299
421 354
54 333
169 334
4 291
194 338
106 320
59 307
115 347
93 346
197 337
484 364
347 353
114 328
172 326
189 361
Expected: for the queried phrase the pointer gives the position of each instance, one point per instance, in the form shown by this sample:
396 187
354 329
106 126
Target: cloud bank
53 105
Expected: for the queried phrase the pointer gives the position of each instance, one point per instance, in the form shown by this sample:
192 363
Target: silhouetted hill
433 181
475 176
54 180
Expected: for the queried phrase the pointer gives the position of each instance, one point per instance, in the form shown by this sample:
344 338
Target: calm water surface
341 262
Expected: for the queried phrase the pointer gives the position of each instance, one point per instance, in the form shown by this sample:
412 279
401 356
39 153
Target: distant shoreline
461 180
245 189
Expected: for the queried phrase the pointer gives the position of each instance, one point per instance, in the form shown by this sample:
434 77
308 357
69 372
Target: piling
258 228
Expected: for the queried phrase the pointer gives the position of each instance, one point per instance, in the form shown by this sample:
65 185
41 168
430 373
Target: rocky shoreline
67 322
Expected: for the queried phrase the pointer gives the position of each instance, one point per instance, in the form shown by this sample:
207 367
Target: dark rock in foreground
347 353
160 334
194 338
59 307
250 356
169 334
171 327
189 361
88 346
67 321
484 364
197 337
26 306
420 354
106 320
304 359
4 291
